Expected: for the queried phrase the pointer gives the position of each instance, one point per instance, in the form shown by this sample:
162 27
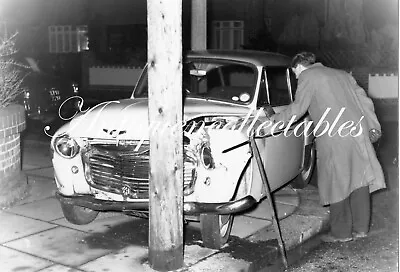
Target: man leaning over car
348 169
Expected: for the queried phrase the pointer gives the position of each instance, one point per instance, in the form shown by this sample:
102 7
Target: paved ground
376 253
36 237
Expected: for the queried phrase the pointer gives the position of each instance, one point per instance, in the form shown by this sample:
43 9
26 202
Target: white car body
99 178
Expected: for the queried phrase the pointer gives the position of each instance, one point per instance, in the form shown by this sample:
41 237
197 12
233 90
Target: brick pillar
13 182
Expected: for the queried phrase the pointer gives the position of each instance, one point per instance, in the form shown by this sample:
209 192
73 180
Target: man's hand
272 118
268 110
374 135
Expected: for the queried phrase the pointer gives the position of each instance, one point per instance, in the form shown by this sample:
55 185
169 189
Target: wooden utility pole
199 25
164 20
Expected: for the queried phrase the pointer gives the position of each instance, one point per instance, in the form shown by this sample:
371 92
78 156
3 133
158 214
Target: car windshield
212 79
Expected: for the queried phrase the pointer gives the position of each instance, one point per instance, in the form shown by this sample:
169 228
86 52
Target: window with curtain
227 34
68 39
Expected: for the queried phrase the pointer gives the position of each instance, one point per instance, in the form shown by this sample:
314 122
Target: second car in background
45 94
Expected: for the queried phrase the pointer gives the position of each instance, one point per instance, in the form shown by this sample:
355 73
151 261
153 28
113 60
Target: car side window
278 89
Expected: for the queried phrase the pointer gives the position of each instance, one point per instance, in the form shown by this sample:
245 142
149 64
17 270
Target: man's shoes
358 235
329 238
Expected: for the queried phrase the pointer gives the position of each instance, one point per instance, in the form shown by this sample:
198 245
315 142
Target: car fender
220 183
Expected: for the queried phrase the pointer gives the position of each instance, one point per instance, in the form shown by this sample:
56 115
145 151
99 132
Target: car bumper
189 208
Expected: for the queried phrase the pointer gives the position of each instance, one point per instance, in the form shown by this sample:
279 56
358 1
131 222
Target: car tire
305 176
78 215
215 229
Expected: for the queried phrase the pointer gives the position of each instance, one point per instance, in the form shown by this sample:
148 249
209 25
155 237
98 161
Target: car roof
258 58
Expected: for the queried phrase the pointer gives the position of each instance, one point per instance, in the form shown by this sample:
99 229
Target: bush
11 74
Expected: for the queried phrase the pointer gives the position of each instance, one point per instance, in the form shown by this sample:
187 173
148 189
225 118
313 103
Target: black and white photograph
199 135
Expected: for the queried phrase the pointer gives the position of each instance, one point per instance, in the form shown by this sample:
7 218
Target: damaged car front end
101 158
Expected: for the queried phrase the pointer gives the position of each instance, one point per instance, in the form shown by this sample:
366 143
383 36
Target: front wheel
215 229
304 178
78 215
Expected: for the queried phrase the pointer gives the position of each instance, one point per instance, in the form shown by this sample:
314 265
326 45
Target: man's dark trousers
351 214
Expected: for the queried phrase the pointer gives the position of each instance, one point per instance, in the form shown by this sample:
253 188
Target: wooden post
164 20
199 25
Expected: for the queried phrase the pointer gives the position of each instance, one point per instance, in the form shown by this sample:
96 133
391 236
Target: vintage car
101 157
45 93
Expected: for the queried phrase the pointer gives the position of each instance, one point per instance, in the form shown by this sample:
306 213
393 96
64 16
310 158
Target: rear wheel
215 229
304 178
78 215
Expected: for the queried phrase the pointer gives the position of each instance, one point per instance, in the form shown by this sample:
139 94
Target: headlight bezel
206 157
66 147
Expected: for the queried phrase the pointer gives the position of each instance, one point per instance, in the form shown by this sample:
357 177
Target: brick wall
114 76
12 181
10 155
383 86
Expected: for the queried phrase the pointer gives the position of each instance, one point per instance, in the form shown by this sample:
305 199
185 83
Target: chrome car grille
123 170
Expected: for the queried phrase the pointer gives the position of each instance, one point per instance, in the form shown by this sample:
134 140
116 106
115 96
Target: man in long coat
348 169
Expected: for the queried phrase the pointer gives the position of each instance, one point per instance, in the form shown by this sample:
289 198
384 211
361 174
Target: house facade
115 31
60 26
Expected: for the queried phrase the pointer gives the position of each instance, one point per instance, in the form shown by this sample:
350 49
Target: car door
282 153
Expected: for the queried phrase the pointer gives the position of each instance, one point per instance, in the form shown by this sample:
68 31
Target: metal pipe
264 178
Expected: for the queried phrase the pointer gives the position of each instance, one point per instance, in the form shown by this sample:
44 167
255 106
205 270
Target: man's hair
304 58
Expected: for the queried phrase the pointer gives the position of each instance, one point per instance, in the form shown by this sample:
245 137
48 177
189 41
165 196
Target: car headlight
206 157
66 147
